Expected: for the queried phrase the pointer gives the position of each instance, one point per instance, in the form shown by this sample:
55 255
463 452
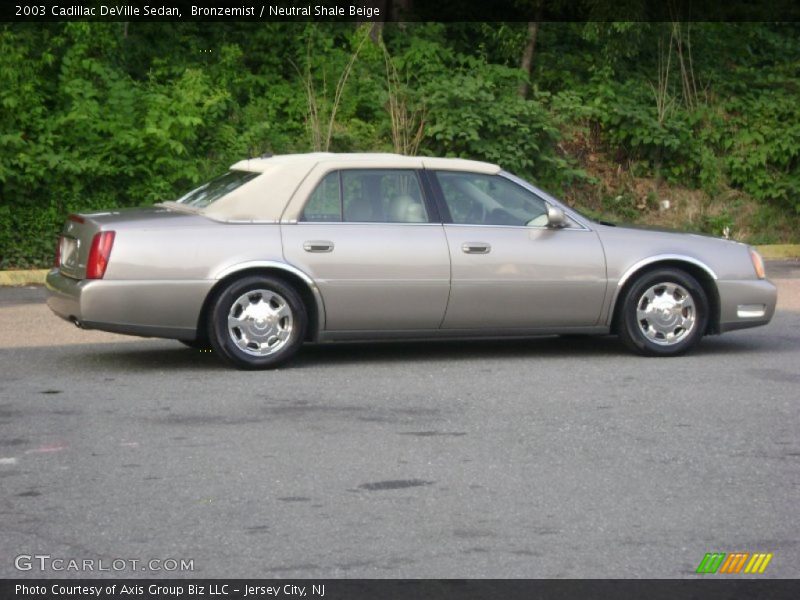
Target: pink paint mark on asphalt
45 449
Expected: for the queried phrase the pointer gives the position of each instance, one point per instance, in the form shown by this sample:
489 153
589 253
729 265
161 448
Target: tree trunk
526 64
376 33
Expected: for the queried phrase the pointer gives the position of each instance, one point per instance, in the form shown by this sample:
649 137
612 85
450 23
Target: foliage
473 110
105 115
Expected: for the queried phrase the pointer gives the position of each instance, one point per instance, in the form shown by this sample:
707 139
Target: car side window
367 196
382 196
478 199
324 204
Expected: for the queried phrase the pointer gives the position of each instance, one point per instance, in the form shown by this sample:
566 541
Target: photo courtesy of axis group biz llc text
175 589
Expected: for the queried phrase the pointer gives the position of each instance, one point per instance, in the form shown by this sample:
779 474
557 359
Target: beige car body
384 280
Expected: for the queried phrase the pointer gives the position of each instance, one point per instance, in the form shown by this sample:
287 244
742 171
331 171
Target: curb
31 277
779 251
36 276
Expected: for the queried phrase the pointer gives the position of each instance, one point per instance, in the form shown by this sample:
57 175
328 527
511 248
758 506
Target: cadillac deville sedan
324 247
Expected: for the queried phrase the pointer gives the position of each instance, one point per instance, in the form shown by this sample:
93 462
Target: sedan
322 247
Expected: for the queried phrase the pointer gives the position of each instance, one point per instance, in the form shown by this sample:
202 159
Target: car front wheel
257 322
664 313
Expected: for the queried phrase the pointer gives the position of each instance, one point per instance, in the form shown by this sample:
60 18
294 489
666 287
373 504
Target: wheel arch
704 275
301 282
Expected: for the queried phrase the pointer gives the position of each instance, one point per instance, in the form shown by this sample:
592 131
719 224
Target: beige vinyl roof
286 180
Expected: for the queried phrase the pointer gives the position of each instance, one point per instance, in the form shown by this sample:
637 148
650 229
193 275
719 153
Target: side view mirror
556 218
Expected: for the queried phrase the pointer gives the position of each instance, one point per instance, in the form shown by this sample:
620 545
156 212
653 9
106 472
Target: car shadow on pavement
147 355
456 350
143 356
543 348
140 357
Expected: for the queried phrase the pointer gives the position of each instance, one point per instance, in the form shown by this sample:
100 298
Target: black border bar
400 10
732 588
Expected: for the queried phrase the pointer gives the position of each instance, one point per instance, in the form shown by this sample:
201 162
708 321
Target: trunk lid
79 230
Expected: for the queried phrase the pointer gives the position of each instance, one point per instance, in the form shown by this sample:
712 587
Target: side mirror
556 219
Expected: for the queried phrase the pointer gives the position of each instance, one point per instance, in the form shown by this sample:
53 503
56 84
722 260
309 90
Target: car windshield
216 188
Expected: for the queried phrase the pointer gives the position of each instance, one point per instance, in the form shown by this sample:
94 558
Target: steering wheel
540 221
477 214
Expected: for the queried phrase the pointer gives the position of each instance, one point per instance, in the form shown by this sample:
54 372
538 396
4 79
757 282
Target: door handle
318 246
476 248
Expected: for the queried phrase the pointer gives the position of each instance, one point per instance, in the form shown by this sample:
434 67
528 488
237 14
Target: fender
280 266
636 267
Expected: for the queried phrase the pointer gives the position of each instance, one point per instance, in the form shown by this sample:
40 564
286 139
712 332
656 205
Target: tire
664 313
257 322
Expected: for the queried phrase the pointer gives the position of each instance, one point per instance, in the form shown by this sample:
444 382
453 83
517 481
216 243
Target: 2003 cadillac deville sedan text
324 247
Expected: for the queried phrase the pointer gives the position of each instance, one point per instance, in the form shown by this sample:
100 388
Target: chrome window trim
522 227
383 223
249 222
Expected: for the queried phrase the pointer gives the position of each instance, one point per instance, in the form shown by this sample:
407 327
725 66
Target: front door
509 270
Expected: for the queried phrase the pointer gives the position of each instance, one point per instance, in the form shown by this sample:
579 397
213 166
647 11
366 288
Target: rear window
216 188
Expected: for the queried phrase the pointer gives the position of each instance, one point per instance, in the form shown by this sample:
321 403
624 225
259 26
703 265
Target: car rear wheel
664 313
257 322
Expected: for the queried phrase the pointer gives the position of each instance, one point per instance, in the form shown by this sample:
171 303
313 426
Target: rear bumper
169 309
64 295
747 303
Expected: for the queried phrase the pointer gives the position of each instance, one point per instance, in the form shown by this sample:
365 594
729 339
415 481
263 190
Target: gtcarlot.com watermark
45 562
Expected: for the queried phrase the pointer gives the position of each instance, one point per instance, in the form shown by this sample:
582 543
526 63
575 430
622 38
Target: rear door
369 240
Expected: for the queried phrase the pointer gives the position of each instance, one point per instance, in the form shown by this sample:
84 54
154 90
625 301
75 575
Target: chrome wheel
260 322
257 322
666 314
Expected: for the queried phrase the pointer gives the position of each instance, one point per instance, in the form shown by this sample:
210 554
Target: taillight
57 260
99 254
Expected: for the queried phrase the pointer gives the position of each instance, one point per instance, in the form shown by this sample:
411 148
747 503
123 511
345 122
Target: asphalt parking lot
551 457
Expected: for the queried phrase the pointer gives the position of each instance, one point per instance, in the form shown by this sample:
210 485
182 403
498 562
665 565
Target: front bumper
154 308
746 303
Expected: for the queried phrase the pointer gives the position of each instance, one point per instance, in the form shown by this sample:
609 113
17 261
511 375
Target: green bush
103 115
